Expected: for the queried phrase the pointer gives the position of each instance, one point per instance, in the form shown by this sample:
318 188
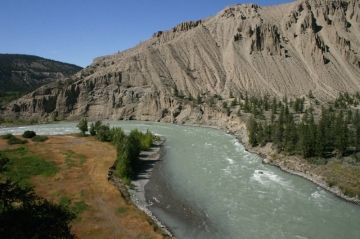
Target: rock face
283 50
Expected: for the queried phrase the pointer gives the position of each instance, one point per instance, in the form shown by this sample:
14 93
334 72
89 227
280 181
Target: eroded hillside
283 50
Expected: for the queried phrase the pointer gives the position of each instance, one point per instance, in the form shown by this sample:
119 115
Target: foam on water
266 177
231 161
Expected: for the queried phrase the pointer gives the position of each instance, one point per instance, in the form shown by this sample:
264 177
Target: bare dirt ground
84 165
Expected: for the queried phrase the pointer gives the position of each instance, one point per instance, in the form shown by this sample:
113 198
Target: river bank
300 167
135 193
294 165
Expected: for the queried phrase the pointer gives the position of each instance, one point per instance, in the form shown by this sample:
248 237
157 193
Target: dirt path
84 164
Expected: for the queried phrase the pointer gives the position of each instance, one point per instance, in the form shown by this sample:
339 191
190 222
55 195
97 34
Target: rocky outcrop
282 50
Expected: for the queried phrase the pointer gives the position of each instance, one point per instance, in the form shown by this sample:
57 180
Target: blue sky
77 31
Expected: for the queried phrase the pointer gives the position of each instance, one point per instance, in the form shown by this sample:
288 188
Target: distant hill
20 74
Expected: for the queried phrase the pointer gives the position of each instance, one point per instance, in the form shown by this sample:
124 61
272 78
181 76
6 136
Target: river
239 196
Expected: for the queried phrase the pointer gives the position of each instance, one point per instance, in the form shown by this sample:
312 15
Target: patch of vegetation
25 215
14 140
22 213
83 126
128 147
128 151
295 129
29 134
64 201
76 207
11 139
344 176
121 210
79 207
320 135
22 165
73 159
7 97
7 136
40 138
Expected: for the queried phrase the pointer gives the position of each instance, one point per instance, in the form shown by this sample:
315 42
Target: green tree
103 133
24 215
290 134
356 125
341 134
279 130
83 126
252 130
308 136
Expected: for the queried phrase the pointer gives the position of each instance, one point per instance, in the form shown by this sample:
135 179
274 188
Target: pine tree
341 134
356 124
252 130
308 135
247 107
274 106
290 134
279 131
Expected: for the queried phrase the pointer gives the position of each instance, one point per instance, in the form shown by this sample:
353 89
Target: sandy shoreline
135 194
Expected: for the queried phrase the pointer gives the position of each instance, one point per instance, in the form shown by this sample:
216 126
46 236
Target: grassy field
24 164
342 174
73 171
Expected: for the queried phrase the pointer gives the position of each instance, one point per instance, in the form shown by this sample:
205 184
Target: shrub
22 209
29 134
7 136
83 126
103 133
145 141
15 140
40 138
92 129
117 136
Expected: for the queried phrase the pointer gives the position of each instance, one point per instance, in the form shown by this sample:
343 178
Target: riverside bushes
11 139
29 134
39 138
128 147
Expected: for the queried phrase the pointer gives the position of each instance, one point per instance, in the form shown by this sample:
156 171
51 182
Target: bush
22 209
29 134
103 133
95 127
15 140
145 140
40 138
7 136
117 136
92 130
83 126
